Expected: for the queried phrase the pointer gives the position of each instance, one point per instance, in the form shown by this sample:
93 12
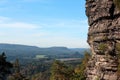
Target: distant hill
20 51
80 49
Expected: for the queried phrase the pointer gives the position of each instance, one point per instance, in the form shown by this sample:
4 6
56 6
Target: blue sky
44 23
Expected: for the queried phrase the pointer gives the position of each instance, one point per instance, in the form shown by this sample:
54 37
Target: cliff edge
104 40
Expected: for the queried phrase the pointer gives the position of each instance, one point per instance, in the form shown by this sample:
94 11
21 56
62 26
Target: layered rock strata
104 39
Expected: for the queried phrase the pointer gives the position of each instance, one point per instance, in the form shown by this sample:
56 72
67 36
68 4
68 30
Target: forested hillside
44 70
30 52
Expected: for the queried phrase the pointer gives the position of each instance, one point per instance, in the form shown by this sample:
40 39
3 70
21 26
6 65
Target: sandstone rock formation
104 39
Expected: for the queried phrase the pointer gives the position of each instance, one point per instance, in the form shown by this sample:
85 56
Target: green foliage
23 52
118 46
40 76
105 37
60 71
118 54
91 37
102 47
117 3
5 67
119 67
16 66
97 78
40 56
79 70
41 71
16 75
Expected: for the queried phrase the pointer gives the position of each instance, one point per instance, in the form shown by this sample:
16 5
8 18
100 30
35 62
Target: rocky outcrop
104 39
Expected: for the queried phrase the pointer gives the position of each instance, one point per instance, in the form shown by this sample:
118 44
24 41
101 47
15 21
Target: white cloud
40 34
2 19
61 41
6 22
65 23
49 41
18 25
2 34
67 26
46 35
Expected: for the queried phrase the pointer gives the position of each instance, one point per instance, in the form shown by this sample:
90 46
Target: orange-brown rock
103 38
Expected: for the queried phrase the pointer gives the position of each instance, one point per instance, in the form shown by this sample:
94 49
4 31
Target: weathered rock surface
103 38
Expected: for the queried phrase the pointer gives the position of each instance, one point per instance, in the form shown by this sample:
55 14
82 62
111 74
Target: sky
44 23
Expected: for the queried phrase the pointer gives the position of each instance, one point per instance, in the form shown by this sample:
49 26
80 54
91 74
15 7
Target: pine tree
17 75
5 67
60 71
79 70
17 66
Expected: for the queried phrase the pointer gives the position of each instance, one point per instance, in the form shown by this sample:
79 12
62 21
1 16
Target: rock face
104 39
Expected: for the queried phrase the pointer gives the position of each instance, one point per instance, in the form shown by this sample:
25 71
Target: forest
43 68
21 62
